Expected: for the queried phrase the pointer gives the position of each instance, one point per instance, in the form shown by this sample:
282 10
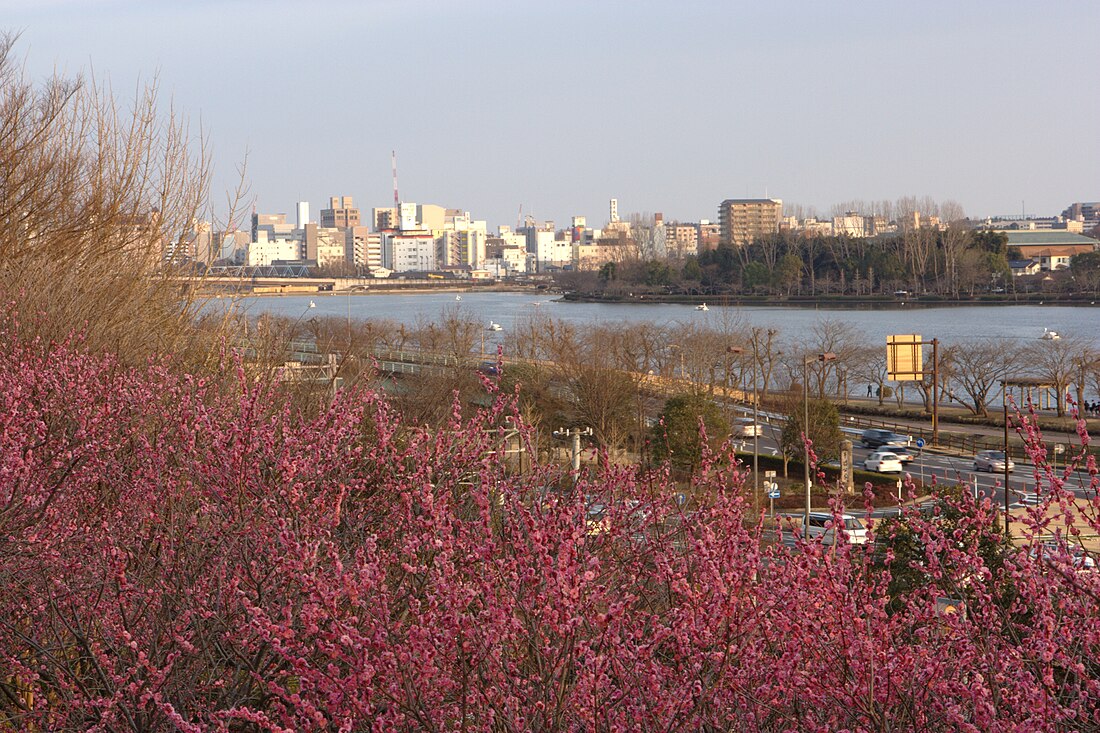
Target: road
933 465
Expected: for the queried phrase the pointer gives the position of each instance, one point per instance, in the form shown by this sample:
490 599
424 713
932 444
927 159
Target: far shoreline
837 302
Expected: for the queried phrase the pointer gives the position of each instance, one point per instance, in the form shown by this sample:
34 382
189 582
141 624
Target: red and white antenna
393 161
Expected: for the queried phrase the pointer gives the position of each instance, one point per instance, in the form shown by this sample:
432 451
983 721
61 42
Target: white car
822 525
992 461
745 427
883 462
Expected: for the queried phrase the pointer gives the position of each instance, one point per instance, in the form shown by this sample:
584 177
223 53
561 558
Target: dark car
877 437
491 368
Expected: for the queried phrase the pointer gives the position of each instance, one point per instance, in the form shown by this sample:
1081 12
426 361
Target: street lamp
806 361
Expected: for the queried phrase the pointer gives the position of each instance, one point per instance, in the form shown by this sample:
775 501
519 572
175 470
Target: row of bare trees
603 375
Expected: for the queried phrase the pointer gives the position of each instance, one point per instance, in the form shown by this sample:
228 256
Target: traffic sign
920 442
773 494
773 490
769 474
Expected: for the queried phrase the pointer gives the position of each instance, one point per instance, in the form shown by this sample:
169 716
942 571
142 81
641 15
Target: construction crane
393 163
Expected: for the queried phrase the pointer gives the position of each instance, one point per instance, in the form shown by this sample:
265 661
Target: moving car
877 437
905 455
746 427
822 524
991 460
1075 556
883 462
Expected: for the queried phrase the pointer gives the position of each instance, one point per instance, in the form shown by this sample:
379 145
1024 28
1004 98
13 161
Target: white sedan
745 427
883 462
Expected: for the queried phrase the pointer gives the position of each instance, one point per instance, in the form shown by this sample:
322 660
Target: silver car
745 427
992 460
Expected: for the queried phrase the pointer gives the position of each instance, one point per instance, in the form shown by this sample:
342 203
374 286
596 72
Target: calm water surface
1023 322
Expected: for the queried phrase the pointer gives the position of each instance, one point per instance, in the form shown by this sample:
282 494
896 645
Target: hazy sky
560 105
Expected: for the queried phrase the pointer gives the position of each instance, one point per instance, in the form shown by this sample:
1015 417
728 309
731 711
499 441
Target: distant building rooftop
1047 238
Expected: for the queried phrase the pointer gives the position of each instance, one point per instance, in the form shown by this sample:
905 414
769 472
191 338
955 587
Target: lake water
949 324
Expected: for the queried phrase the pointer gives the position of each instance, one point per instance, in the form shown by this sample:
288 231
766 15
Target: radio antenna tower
393 161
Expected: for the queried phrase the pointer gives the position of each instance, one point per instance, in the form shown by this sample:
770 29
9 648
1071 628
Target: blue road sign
920 442
774 494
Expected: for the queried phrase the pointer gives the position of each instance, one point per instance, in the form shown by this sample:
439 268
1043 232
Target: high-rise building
341 213
365 246
743 220
614 211
682 240
406 217
303 214
431 217
384 218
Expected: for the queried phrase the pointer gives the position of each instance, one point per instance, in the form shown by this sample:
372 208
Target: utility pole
575 434
935 391
806 361
1004 400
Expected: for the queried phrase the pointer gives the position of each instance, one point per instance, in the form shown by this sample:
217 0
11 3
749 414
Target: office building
341 213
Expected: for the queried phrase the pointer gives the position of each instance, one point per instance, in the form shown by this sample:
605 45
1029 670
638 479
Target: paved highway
942 468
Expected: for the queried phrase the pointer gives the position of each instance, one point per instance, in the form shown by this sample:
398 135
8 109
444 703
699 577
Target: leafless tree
1057 362
831 336
954 240
98 206
868 364
979 368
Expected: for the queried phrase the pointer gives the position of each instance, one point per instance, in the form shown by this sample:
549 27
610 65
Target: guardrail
968 444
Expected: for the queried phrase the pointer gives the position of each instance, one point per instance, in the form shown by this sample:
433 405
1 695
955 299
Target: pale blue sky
561 105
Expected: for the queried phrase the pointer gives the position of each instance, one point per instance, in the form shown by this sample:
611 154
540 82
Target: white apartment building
411 251
406 217
547 250
849 225
332 247
263 252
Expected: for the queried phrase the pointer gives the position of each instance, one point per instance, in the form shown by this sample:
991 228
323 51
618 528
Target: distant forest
954 262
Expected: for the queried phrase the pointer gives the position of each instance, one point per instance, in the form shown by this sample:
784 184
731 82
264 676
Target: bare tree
839 338
1057 362
980 366
98 207
868 364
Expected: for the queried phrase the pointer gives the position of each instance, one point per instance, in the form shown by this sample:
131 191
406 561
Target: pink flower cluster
174 556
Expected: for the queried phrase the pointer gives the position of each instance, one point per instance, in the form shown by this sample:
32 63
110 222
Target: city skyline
491 105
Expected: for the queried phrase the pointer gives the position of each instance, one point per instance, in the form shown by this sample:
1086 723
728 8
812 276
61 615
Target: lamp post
806 361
